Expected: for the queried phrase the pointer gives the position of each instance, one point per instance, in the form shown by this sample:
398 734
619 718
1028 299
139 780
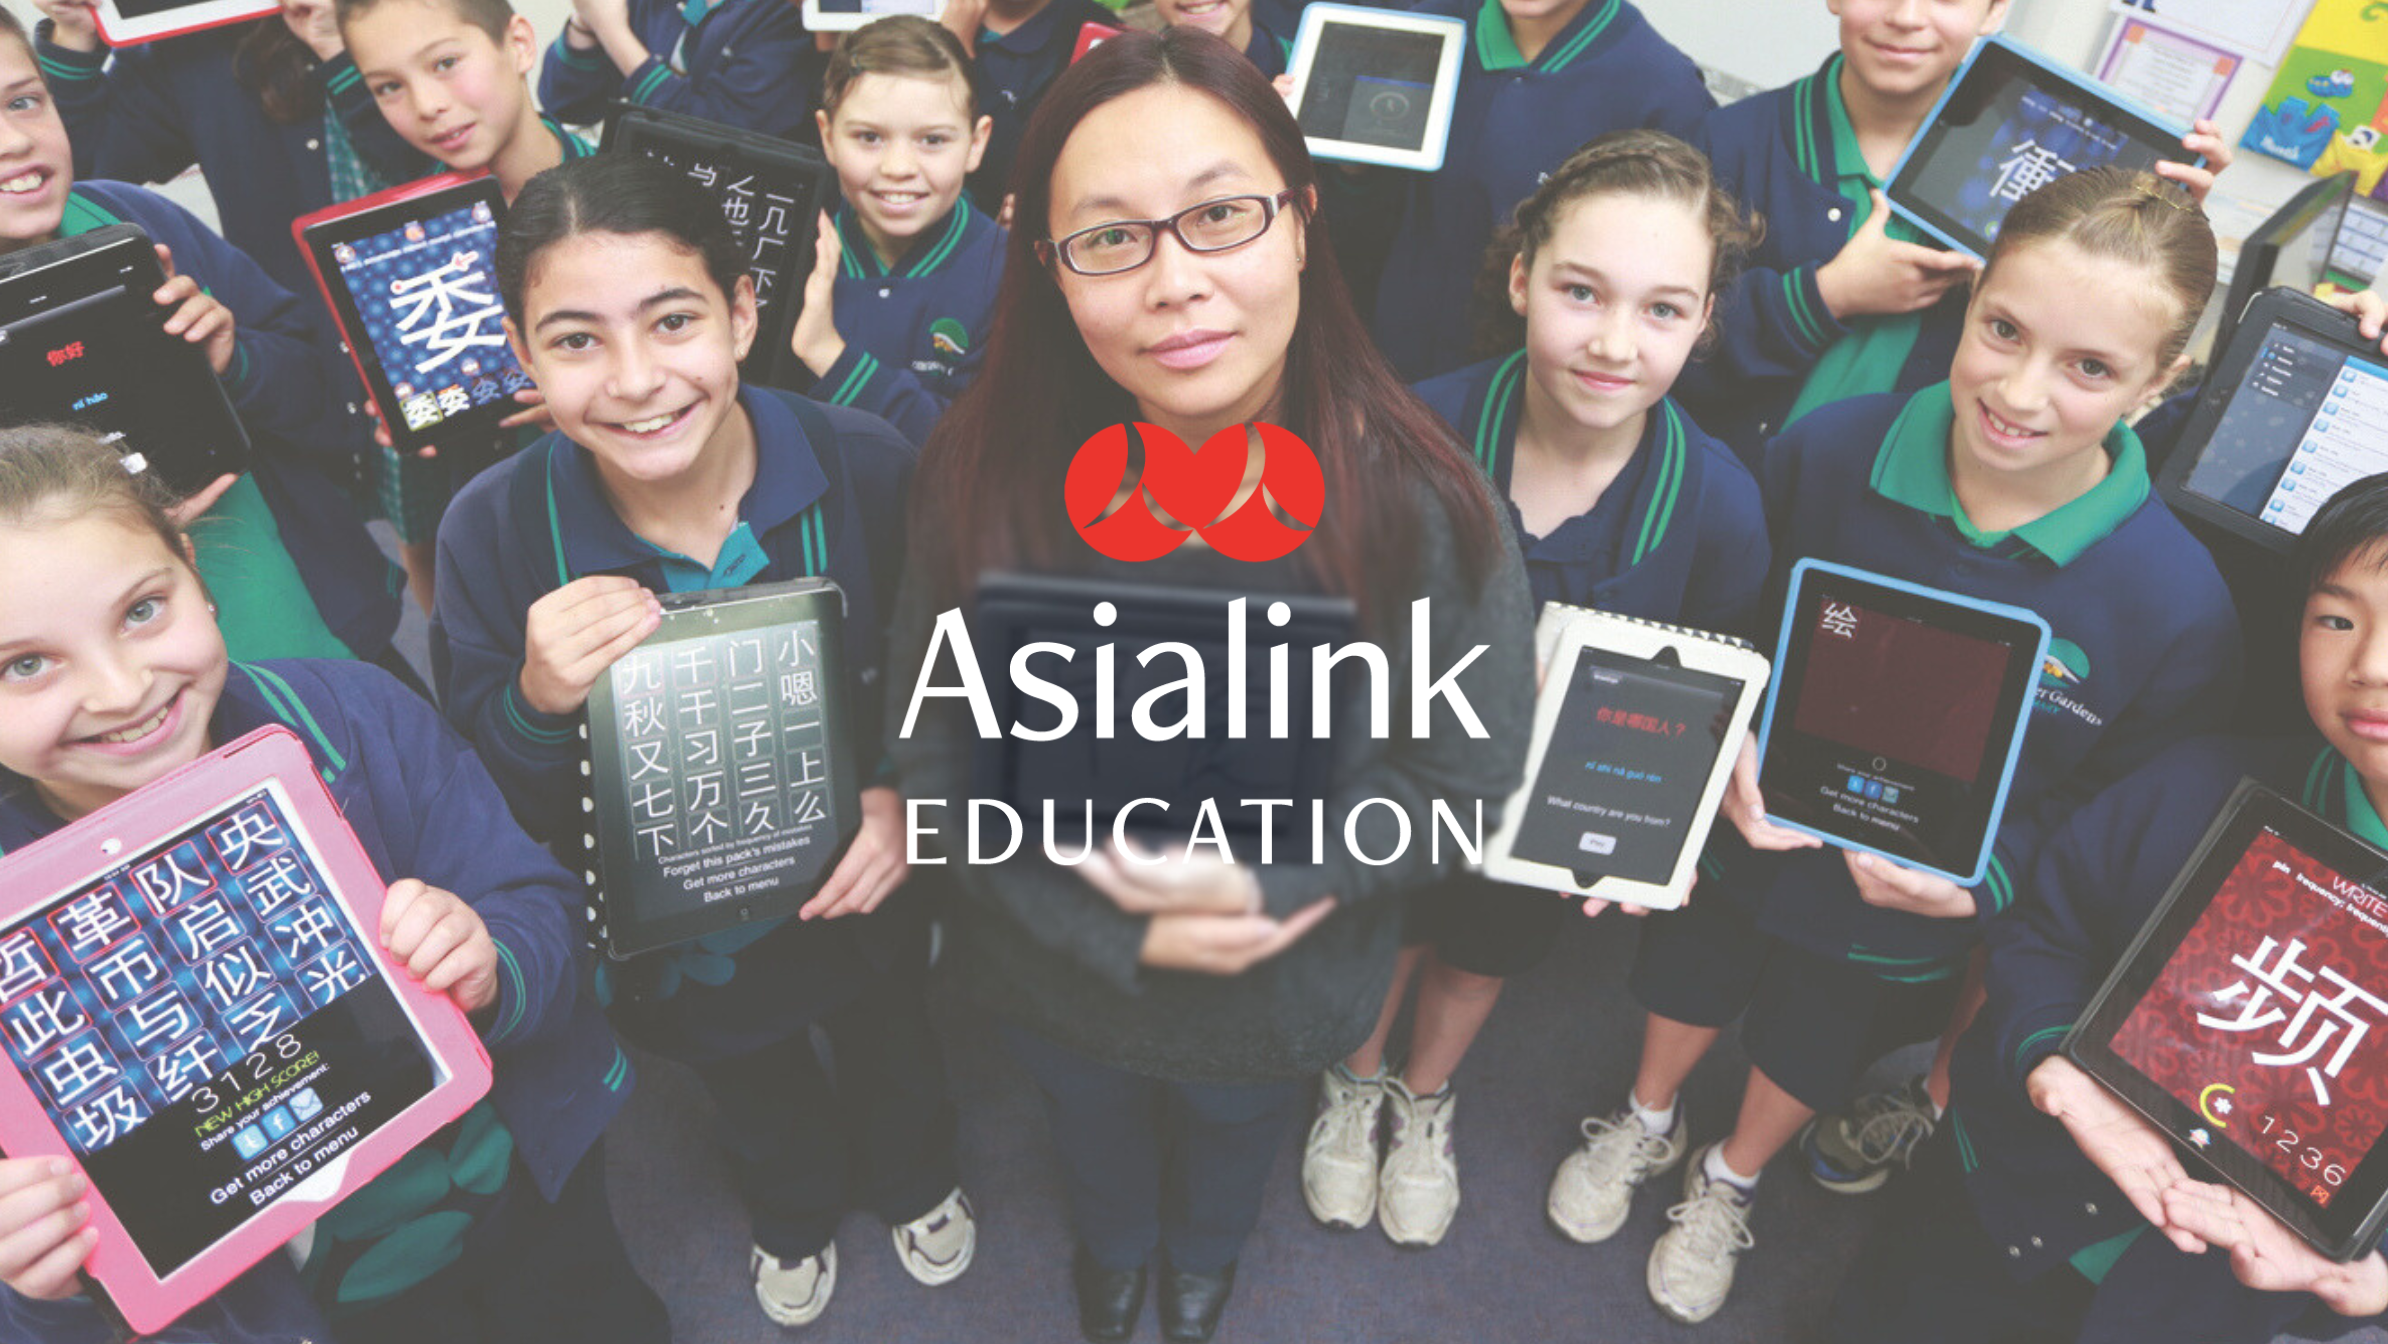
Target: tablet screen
1371 85
206 1026
426 297
1894 686
2270 1019
1628 760
2305 420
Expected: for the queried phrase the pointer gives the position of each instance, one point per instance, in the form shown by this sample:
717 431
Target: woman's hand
575 633
440 941
2204 138
1745 806
814 339
1180 882
2134 1154
1225 944
197 317
873 865
1895 886
43 1240
2268 1257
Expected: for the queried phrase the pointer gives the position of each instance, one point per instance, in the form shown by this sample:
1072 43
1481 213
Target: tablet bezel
1993 621
818 20
624 932
1428 157
2046 74
2284 306
118 29
111 250
87 850
2252 809
1577 629
2261 250
475 437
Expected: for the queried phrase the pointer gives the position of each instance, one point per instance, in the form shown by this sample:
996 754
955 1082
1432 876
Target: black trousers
1153 1163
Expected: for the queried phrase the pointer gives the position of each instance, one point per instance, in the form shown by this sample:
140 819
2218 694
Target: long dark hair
627 194
989 486
279 71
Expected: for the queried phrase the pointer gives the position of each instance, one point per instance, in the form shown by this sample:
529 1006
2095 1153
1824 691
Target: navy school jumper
287 382
745 63
1010 73
1774 152
2096 882
2144 650
915 333
1678 537
423 807
828 499
1514 121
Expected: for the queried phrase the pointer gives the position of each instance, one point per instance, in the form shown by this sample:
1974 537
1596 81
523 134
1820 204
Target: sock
1714 1166
1654 1122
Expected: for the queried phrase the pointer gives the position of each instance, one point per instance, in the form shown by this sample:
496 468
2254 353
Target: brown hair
51 472
900 44
279 71
2136 218
1636 162
490 16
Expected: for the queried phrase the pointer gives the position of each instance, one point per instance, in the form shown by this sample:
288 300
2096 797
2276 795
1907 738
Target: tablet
125 23
1069 635
723 784
195 1008
2295 409
1896 716
1635 733
81 342
2246 1019
771 191
2290 248
1376 85
2010 121
844 16
411 275
1090 36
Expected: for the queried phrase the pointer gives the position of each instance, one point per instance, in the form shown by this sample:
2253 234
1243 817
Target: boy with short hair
453 78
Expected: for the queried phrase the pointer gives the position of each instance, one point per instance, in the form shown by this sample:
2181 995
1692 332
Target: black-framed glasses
1213 226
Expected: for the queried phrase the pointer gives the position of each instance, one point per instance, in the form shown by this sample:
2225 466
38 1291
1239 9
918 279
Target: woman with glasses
1167 267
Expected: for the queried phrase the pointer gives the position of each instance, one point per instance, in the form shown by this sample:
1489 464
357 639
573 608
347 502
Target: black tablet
2247 1018
411 275
772 192
2294 410
1896 716
2010 121
2291 248
1182 695
723 781
81 342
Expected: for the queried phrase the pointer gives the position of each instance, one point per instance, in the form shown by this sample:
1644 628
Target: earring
211 608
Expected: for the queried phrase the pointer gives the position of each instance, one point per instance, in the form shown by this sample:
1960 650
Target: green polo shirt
1913 469
2362 818
1496 46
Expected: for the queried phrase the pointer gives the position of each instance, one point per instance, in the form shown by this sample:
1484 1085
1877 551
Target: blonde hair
52 473
2135 218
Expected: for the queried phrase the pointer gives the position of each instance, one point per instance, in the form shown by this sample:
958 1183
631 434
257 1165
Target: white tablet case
1427 156
819 20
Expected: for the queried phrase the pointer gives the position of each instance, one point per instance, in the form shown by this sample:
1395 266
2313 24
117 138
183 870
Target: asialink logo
1212 492
2064 672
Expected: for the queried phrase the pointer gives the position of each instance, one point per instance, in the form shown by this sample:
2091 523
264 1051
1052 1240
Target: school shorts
1812 1023
1483 926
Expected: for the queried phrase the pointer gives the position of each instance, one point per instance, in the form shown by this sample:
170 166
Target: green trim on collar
2317 781
1496 429
555 524
1496 46
292 711
513 970
1804 97
1671 452
2097 1260
2363 818
1912 468
860 261
84 214
573 146
857 378
1496 421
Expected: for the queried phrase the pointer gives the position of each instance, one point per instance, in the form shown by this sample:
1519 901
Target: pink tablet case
104 936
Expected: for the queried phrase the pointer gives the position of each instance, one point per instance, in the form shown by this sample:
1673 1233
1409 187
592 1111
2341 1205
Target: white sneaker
936 1247
1691 1267
795 1293
1339 1167
1592 1190
1418 1191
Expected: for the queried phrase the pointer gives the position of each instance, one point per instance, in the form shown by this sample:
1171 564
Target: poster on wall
2179 76
2257 28
2327 110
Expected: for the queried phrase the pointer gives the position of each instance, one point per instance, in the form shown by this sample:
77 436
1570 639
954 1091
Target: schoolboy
738 62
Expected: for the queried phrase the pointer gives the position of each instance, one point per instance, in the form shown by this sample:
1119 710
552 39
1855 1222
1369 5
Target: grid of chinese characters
764 217
723 739
128 996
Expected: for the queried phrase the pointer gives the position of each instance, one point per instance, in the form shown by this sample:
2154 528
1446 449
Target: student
1237 23
291 563
108 633
628 300
1608 279
1840 299
1167 267
1538 79
903 280
1016 48
2017 482
729 61
2029 1213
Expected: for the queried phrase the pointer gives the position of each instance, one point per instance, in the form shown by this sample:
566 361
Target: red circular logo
1196 490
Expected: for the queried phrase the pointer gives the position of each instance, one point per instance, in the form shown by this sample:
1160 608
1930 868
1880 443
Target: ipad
724 783
81 342
2291 248
1376 85
844 16
411 275
1896 716
771 191
1635 733
1090 36
1071 635
196 1009
2295 409
125 23
2010 121
2246 1019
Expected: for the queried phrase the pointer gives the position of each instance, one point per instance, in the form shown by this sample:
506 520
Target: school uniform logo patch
951 338
2063 673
